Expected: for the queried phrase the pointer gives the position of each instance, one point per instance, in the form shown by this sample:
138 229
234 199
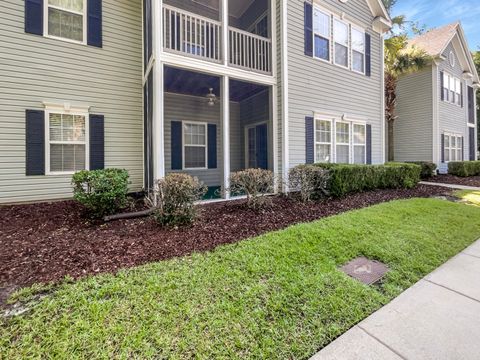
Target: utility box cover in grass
364 270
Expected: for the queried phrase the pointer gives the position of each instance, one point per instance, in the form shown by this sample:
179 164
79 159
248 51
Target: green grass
280 295
469 196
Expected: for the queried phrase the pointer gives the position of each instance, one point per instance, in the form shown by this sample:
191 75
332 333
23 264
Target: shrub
102 192
428 168
309 181
464 168
176 197
256 184
345 179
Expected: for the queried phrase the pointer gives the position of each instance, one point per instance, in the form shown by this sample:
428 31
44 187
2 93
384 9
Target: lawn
279 295
469 196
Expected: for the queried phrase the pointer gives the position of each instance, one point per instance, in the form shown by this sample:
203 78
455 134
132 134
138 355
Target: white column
158 96
225 90
224 43
285 108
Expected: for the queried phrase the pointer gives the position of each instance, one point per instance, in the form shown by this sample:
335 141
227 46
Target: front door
257 147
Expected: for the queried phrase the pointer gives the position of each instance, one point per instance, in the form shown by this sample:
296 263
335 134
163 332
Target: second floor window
452 89
66 19
321 31
340 37
358 51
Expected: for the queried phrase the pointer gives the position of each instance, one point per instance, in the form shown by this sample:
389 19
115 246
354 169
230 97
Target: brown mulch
456 180
45 242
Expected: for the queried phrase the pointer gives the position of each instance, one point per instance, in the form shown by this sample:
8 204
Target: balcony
199 34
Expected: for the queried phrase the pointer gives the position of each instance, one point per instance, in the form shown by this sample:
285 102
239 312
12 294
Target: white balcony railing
198 36
250 51
191 34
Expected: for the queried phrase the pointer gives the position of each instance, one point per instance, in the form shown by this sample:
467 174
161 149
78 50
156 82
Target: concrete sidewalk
437 318
451 186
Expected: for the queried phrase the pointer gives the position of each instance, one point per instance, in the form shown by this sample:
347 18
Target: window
358 51
260 27
359 144
66 19
323 141
342 142
348 145
340 38
67 142
195 146
452 89
321 31
453 148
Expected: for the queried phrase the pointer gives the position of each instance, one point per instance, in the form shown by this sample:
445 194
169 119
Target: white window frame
456 99
349 43
197 123
48 143
330 33
318 142
46 6
354 28
458 147
334 120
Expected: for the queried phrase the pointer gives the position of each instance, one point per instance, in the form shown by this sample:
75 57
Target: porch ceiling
196 84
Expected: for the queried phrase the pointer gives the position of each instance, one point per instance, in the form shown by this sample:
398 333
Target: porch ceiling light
212 98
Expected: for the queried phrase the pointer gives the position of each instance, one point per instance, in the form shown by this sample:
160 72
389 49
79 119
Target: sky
435 13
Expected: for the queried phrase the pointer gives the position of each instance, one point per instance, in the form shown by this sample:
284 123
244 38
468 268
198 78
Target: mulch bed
456 180
45 242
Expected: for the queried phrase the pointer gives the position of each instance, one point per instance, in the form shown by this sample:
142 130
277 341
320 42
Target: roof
435 41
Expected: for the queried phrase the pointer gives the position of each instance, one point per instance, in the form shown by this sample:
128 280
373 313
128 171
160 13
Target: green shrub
256 184
464 168
102 192
428 168
308 181
346 179
176 197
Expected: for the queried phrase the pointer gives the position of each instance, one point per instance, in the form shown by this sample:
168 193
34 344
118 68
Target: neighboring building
437 118
227 85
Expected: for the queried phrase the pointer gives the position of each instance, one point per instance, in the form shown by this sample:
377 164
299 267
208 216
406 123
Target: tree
399 60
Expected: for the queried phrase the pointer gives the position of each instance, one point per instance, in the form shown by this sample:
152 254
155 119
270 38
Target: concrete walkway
438 318
451 186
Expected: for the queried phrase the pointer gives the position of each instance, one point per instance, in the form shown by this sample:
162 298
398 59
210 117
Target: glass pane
55 127
323 153
79 128
447 141
194 134
67 158
322 48
321 23
324 131
252 151
341 33
341 55
358 61
195 157
453 141
447 155
359 134
358 41
56 156
74 5
342 154
343 135
359 154
64 24
79 157
459 155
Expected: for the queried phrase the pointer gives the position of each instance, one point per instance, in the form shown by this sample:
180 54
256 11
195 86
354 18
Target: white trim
382 97
451 77
457 136
86 143
225 93
436 148
285 91
197 123
330 30
315 140
46 6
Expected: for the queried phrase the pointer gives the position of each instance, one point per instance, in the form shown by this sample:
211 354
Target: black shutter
368 55
471 105
461 94
442 140
34 17
212 146
369 144
442 94
94 23
176 145
148 132
471 146
308 24
309 140
35 142
97 142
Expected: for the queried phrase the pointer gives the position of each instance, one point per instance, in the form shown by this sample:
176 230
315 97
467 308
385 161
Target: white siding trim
225 82
285 99
436 148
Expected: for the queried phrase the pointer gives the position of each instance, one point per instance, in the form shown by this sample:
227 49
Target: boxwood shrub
102 192
428 168
464 168
346 179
